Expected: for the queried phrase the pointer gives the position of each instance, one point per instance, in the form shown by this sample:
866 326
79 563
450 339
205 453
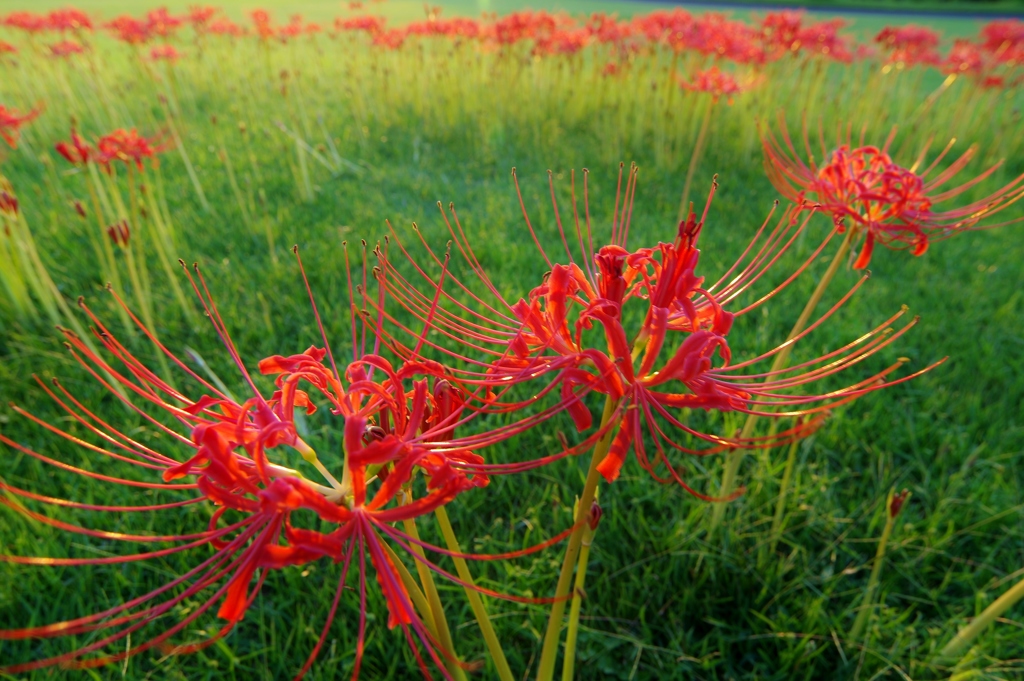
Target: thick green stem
876 569
733 458
475 602
571 632
549 653
964 637
444 635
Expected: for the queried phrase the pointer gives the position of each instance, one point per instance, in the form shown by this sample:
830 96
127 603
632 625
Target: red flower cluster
11 122
572 331
863 189
398 425
60 20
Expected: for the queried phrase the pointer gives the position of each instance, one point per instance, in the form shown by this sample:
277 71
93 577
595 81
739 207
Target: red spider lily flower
607 29
263 24
571 330
66 48
7 48
391 39
159 22
354 5
1004 39
909 45
243 457
77 151
780 32
663 26
199 16
26 21
128 146
11 122
864 189
562 42
367 24
823 39
717 83
130 30
68 20
164 53
964 58
226 27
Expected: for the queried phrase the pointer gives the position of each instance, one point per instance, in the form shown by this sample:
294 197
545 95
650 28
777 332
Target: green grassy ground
665 598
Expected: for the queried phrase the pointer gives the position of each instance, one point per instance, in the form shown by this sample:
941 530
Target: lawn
318 141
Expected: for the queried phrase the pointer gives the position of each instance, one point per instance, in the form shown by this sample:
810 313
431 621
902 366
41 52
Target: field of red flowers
675 345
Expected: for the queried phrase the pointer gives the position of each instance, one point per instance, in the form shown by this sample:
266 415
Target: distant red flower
823 39
226 27
864 189
7 48
263 24
66 48
128 146
161 23
965 58
11 122
716 83
164 53
367 24
69 20
562 42
391 39
130 30
199 16
1004 40
909 45
26 21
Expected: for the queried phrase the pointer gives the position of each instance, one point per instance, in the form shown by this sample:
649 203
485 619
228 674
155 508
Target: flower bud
896 503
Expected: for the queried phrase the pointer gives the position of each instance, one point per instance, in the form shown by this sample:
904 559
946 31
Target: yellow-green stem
876 569
733 458
549 653
964 637
475 601
572 630
444 635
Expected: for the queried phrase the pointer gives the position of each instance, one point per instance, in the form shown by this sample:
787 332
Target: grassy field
385 135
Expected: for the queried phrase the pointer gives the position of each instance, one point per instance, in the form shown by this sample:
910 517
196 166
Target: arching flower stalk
640 327
402 460
865 191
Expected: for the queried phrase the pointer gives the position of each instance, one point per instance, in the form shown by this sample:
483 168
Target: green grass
664 599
